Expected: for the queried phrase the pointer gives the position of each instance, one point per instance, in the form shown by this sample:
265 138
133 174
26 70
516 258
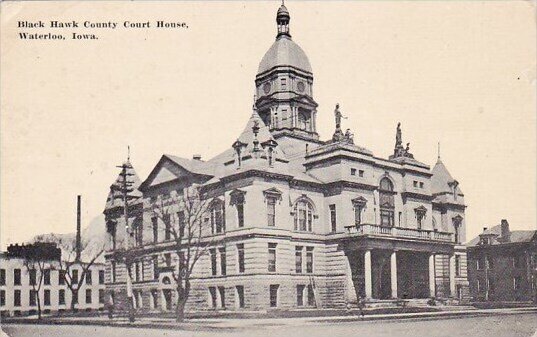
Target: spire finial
438 150
128 153
282 19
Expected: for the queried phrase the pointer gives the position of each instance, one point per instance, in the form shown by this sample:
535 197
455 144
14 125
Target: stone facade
320 223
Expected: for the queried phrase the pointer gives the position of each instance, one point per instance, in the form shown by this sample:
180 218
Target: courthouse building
302 221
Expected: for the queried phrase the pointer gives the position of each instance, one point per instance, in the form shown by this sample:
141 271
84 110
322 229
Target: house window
415 183
17 298
168 259
217 217
387 203
113 267
154 222
155 267
489 262
311 296
457 223
333 217
240 214
309 260
271 211
33 297
457 265
222 292
17 277
138 231
353 171
240 255
46 297
272 257
361 173
274 295
2 277
298 259
88 296
101 296
46 277
137 271
2 298
303 216
300 295
154 298
421 184
213 261
420 215
181 221
167 227
61 277
101 276
33 277
212 296
284 83
222 252
240 296
480 263
88 277
358 206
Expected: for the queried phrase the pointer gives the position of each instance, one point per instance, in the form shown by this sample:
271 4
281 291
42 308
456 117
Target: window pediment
237 197
273 192
359 201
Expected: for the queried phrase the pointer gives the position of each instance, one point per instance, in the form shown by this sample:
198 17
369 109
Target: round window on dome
301 86
266 87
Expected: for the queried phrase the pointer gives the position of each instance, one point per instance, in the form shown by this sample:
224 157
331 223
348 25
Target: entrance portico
389 269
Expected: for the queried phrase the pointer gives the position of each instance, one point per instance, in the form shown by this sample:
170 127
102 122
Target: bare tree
73 268
189 227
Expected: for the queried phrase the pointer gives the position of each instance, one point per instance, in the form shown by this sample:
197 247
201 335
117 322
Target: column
350 295
432 277
393 275
367 274
452 275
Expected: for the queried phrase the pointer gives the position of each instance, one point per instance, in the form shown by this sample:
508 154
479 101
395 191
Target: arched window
387 202
217 216
303 213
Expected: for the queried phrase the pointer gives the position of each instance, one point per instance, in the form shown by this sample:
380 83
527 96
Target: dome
284 52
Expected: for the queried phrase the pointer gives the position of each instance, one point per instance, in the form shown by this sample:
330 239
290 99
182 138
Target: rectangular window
101 296
2 277
46 297
212 295
88 296
240 254
33 277
300 295
361 173
333 217
61 297
223 265
46 277
168 227
222 292
17 298
457 265
101 276
155 267
298 259
311 296
74 278
168 259
353 171
240 215
136 271
240 296
17 277
181 219
274 295
271 212
33 297
89 279
309 260
358 213
154 298
61 277
517 280
272 257
213 261
489 262
154 222
415 183
421 184
113 266
2 298
284 83
386 218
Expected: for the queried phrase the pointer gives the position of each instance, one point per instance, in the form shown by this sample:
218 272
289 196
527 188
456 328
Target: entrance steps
417 303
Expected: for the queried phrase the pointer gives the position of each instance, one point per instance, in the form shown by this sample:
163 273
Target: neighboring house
502 264
18 297
303 222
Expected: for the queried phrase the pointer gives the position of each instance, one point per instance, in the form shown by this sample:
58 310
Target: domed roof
284 52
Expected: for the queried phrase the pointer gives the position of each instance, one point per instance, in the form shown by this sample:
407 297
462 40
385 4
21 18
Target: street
523 324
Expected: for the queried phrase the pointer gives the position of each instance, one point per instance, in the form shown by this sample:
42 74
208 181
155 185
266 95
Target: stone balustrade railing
368 229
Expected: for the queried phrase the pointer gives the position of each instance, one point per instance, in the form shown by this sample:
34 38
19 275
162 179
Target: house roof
115 196
519 236
441 179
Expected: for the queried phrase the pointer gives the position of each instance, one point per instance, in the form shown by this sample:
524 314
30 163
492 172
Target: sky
456 72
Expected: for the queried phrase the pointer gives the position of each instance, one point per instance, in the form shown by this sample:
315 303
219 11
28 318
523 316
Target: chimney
505 230
484 229
78 220
196 157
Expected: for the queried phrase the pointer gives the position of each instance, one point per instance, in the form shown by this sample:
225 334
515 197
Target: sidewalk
230 324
